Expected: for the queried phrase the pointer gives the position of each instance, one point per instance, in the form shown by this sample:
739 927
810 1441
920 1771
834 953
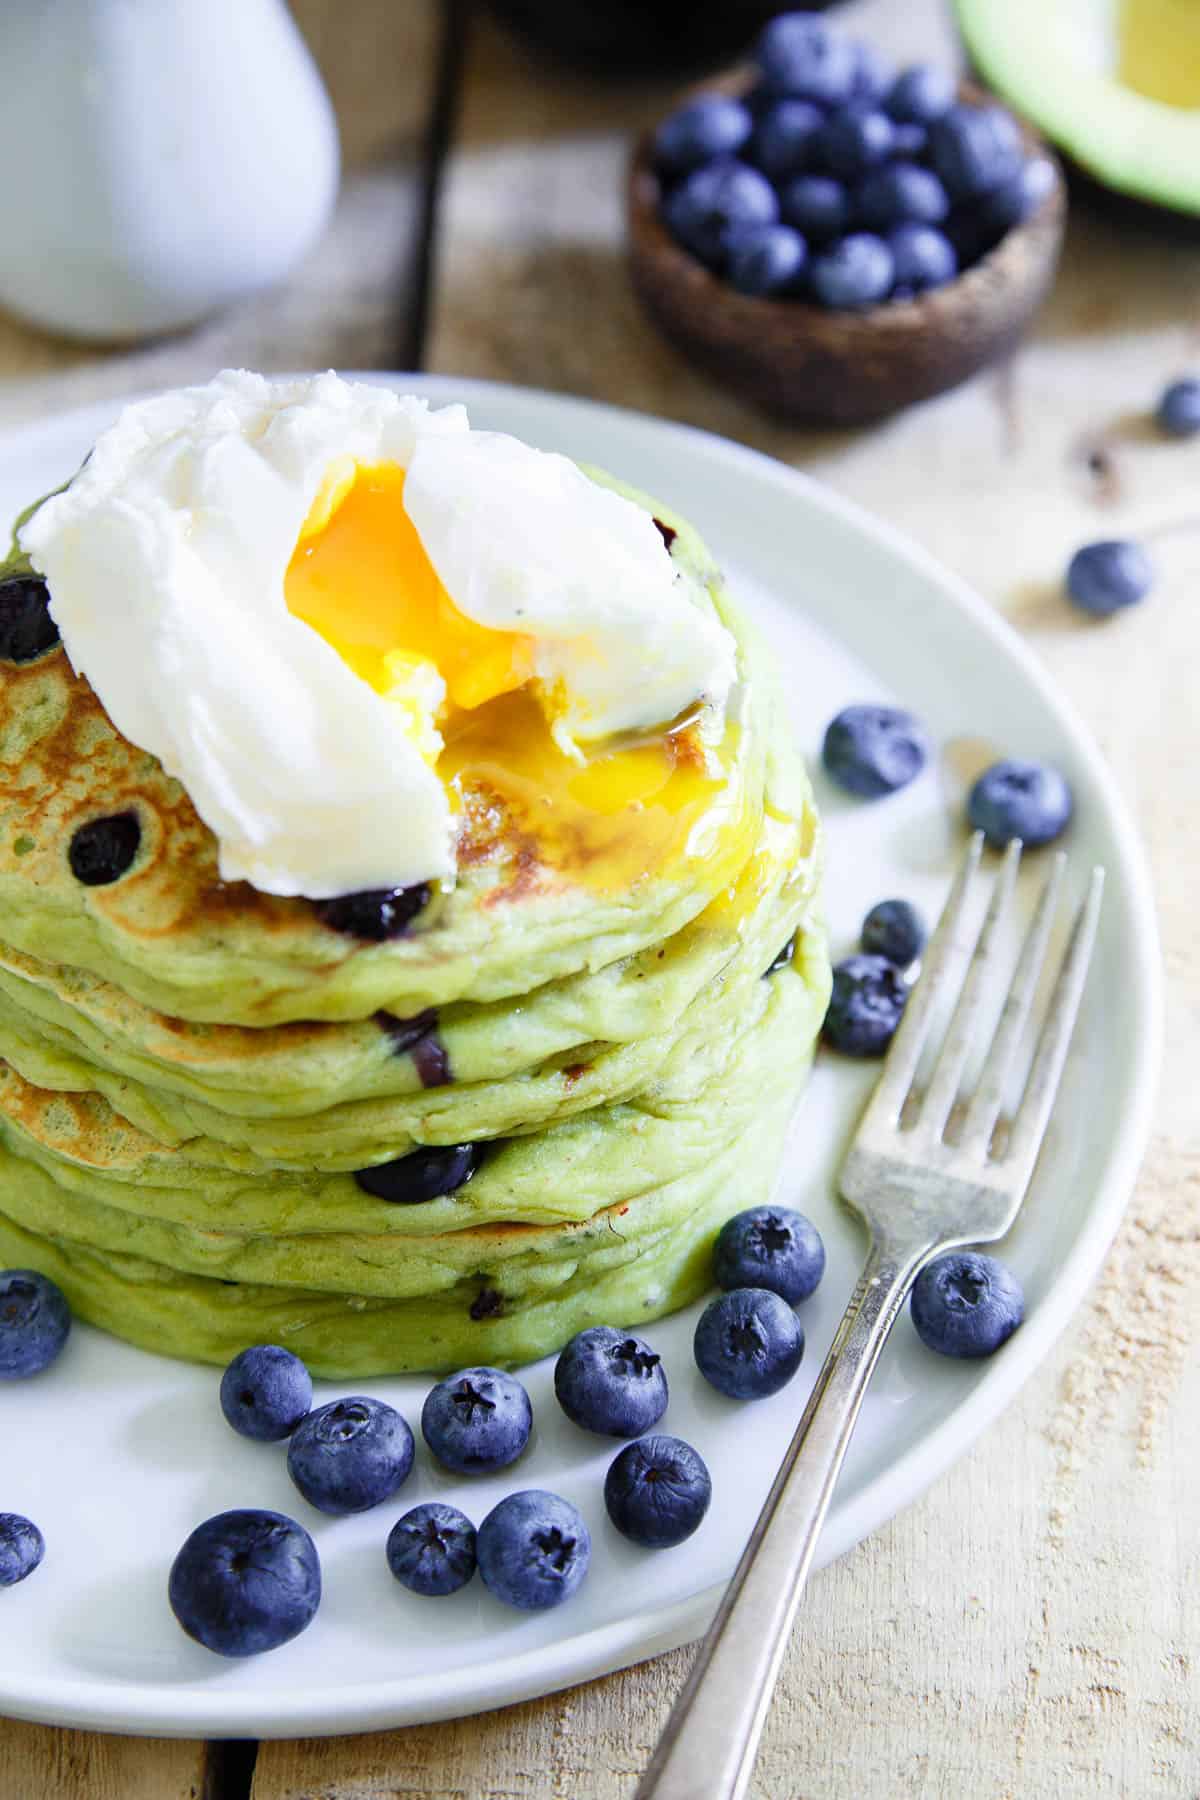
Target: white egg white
166 558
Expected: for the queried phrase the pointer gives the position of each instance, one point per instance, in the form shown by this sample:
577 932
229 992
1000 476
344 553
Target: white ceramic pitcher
158 159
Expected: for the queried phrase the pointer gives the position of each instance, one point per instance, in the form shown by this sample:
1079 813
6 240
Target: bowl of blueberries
836 239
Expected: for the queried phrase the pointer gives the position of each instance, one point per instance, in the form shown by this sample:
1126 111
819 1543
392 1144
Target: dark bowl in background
804 365
643 37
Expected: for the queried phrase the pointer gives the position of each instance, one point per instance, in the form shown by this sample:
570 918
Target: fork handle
708 1747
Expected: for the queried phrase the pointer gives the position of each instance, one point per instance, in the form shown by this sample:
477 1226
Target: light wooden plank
40 1764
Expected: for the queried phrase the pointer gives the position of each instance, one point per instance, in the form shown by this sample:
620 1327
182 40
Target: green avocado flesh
1114 85
191 1073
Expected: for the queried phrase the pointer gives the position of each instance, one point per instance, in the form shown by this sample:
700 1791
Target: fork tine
984 1108
900 1064
943 1086
1033 1113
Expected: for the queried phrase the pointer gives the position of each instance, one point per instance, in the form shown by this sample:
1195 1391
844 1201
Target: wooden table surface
1032 1625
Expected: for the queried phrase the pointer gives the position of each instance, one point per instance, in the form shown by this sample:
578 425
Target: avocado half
1114 83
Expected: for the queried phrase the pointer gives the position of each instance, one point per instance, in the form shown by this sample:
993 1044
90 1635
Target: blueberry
748 1343
872 74
1104 577
422 1174
854 272
1015 200
431 1550
34 1322
817 206
245 1581
350 1455
26 629
1179 409
770 1247
716 202
103 850
895 929
909 141
657 1491
477 1420
924 257
798 55
920 94
782 957
533 1550
903 191
611 1382
865 1006
853 140
783 137
22 1548
1015 799
377 913
265 1392
711 126
966 1304
766 260
874 750
975 149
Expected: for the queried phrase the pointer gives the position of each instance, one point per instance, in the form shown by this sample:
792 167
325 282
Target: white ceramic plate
118 1454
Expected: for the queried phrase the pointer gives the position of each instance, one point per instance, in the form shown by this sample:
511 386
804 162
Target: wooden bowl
805 365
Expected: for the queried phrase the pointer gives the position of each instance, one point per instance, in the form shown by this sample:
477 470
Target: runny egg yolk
1158 51
361 578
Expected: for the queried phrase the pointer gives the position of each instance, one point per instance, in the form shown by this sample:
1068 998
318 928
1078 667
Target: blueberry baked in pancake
410 944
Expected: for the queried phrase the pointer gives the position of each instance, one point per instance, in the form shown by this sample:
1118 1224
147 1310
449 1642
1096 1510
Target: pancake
616 1003
540 894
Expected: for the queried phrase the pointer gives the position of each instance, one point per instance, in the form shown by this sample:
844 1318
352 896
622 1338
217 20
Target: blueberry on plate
431 1550
873 73
22 1548
265 1392
770 1247
766 260
26 629
1106 576
817 206
477 1420
853 273
909 141
783 138
1178 411
102 850
920 94
657 1491
865 1006
923 257
895 929
714 203
375 914
975 149
748 1343
798 55
533 1550
1019 799
853 140
422 1174
245 1581
711 126
350 1455
903 191
35 1321
966 1304
611 1382
874 750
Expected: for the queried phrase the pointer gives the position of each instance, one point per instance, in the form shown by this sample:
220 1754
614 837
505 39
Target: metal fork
919 1189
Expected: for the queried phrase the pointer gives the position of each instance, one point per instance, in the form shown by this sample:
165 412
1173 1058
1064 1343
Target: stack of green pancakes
228 1117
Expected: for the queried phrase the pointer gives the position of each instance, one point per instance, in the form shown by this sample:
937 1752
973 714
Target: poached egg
331 611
